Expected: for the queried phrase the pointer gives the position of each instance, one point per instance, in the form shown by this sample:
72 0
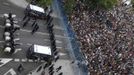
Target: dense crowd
107 38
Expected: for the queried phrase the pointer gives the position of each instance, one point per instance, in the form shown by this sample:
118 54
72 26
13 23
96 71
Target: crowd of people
106 37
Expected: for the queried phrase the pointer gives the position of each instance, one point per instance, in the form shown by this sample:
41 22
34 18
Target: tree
69 5
44 3
103 4
132 3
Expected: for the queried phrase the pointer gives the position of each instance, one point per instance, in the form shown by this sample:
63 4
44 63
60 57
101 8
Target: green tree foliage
97 4
132 3
44 3
69 5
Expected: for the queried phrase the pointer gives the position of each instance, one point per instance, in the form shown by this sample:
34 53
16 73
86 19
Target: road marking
59 47
62 54
57 41
16 60
17 50
56 27
1 41
11 71
4 61
5 3
26 60
28 44
30 60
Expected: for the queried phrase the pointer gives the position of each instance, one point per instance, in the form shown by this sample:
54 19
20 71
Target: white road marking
28 44
11 71
4 61
57 41
17 50
30 60
56 27
16 60
5 3
1 41
26 60
59 47
62 54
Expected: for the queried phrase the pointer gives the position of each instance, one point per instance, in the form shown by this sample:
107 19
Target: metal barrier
74 51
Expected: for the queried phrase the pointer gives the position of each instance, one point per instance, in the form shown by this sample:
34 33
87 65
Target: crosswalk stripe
16 60
10 71
3 61
30 60
26 60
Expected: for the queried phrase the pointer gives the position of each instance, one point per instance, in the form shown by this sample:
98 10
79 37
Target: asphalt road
41 37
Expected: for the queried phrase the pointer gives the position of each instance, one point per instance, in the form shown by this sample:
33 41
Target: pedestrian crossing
11 71
26 60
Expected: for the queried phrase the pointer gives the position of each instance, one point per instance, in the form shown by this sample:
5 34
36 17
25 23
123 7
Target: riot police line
9 33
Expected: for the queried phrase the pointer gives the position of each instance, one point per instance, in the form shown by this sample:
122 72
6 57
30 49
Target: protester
106 37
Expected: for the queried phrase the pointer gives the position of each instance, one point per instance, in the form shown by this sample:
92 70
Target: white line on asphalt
30 60
56 27
59 47
57 41
5 3
4 61
17 50
17 60
1 41
11 71
62 54
26 60
28 44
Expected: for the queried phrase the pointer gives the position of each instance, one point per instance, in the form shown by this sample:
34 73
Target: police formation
10 33
48 19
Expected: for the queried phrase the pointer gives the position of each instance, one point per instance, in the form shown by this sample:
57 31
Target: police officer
34 23
59 68
20 68
56 58
36 27
60 73
25 23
